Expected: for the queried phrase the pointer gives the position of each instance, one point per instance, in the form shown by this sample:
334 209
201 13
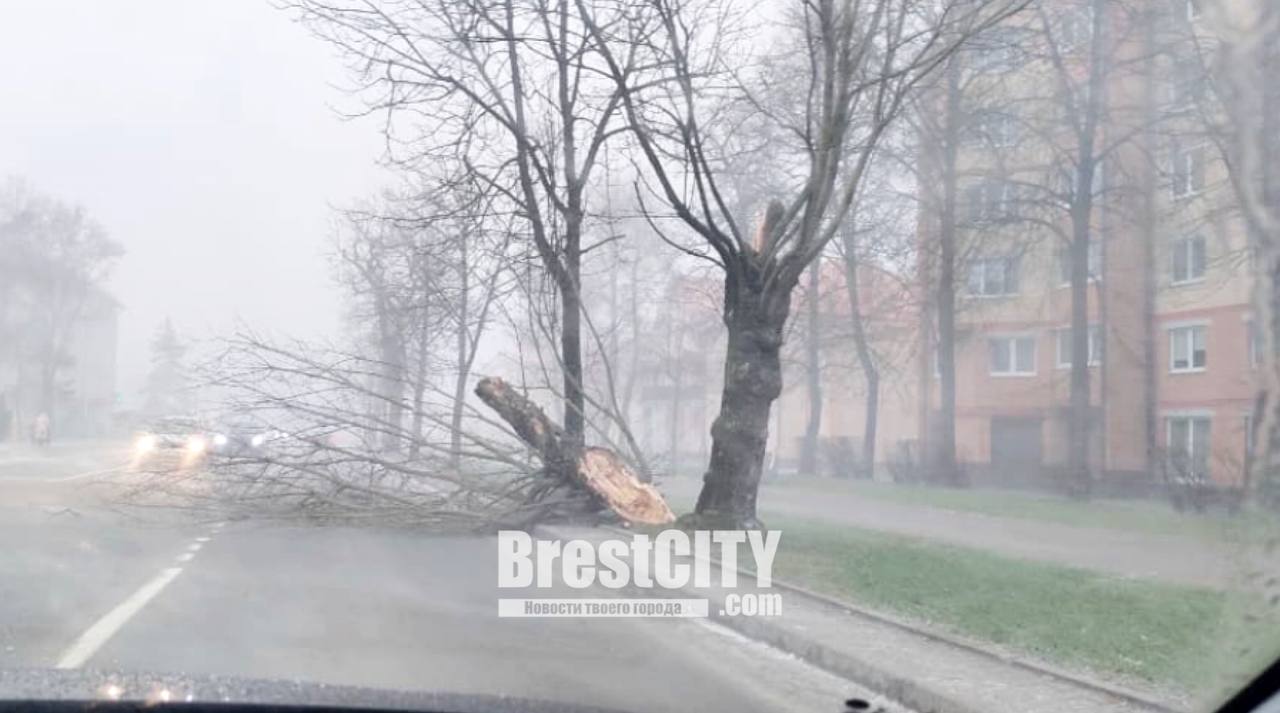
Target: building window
996 50
1012 356
1075 28
1188 259
991 200
993 276
1068 177
994 128
1188 170
1248 440
1255 343
1187 84
1188 446
1064 346
1064 262
1187 349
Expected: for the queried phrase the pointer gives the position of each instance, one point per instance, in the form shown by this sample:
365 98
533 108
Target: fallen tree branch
599 470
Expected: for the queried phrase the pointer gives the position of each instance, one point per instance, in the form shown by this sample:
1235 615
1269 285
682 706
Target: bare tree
509 88
56 259
1241 53
876 238
809 456
863 59
384 274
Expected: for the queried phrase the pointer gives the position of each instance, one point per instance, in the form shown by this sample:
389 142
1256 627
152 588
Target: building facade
1171 346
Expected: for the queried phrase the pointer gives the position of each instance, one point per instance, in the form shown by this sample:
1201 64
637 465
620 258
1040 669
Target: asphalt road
82 585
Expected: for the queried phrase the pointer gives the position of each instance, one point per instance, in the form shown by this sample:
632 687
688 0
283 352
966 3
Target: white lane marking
186 556
103 629
67 478
90 474
195 547
202 539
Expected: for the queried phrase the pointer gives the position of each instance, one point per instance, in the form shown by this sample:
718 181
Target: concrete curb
868 672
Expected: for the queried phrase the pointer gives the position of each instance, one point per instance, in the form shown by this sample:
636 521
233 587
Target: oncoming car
237 439
174 440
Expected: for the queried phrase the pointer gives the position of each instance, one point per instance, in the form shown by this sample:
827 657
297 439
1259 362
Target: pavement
920 668
1170 558
84 586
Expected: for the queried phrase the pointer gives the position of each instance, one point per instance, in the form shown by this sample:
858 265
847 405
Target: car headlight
258 439
219 439
196 444
145 444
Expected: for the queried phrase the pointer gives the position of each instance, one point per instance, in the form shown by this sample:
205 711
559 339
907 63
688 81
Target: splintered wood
599 470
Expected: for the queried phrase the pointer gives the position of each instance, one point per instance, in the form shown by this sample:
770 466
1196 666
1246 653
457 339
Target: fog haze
206 138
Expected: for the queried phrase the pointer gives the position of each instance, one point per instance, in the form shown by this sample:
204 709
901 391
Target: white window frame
1187 83
1185 172
996 128
1190 417
1248 435
994 201
1062 258
1011 342
1062 336
1253 343
1009 264
1000 55
1188 332
1187 244
1080 17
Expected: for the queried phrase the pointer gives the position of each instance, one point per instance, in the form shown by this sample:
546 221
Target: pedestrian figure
41 429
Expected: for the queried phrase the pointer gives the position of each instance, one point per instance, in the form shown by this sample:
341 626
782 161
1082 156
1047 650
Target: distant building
84 385
1173 352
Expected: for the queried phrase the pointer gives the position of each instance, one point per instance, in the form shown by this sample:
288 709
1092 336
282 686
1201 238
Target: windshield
657 355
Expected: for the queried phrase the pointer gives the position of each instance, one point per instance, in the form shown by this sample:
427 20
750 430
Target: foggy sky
203 135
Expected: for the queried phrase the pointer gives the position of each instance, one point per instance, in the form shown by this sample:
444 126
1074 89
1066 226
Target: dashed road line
88 643
67 478
90 474
102 630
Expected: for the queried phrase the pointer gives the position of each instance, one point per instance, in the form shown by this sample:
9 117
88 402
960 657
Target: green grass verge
1163 634
1152 516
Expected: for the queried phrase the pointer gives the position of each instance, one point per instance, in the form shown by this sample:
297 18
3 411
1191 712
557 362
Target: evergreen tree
167 389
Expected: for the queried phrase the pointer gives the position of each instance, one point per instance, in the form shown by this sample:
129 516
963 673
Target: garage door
1016 449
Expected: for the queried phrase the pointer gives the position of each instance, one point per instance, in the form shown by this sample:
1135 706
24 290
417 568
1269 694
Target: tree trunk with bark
391 356
1080 418
944 466
866 360
740 433
1079 475
462 345
598 471
676 342
571 340
420 383
809 451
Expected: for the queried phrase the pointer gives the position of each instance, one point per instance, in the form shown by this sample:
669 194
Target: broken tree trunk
599 470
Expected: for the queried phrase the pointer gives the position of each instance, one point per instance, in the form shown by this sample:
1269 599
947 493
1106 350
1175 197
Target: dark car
239 440
171 437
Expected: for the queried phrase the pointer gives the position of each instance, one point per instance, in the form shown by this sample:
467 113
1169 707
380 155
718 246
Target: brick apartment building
1171 348
1172 353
